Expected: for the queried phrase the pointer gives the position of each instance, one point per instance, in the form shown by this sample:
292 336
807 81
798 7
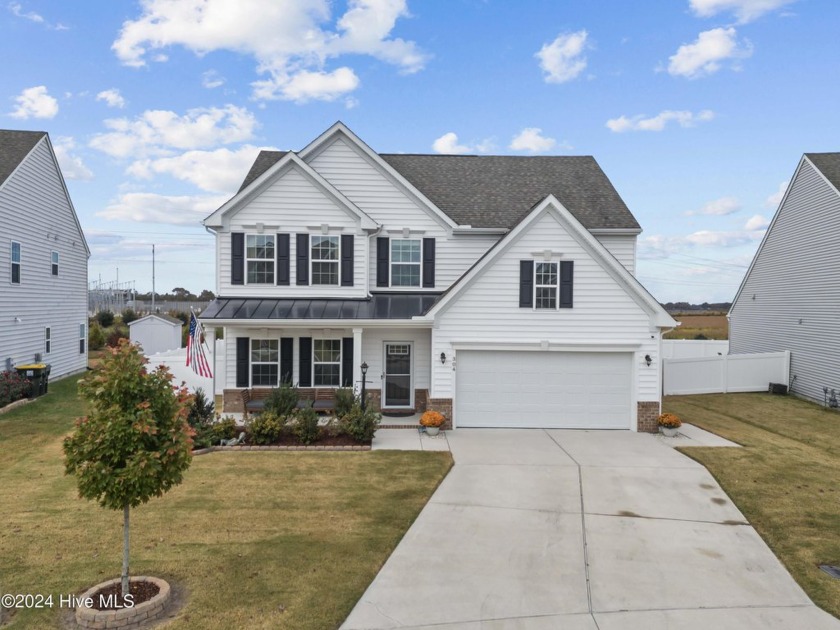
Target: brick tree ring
122 618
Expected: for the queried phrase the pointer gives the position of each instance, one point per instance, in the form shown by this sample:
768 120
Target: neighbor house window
326 362
265 355
259 258
47 340
545 285
324 259
405 262
82 331
54 263
15 262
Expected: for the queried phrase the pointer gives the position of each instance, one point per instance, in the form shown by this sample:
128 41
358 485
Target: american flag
195 350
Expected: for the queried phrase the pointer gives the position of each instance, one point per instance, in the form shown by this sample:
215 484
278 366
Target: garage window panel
545 285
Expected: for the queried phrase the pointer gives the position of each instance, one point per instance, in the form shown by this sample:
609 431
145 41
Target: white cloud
562 60
707 53
531 139
153 208
658 246
17 10
112 98
212 79
72 166
448 144
35 102
775 199
287 39
657 123
156 132
719 207
744 10
710 238
756 222
217 171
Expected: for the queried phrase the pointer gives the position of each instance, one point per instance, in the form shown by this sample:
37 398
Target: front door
397 376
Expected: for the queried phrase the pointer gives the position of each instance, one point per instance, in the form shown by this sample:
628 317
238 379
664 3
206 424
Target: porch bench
253 400
324 400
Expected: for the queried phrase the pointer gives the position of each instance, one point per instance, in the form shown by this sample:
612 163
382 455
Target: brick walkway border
124 618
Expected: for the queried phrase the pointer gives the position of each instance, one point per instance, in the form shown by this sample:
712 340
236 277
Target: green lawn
258 540
786 479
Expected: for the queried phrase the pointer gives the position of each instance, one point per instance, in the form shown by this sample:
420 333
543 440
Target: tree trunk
125 586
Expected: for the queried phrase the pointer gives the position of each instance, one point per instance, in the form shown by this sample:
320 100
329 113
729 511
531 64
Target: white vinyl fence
726 373
691 348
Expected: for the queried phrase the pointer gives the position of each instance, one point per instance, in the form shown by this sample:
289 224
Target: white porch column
357 359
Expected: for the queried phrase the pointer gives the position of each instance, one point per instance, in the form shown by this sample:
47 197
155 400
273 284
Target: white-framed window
54 263
324 256
326 362
259 258
406 259
82 337
47 340
15 260
545 284
265 362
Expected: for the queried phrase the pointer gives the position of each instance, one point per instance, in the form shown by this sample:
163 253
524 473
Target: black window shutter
303 259
347 362
567 280
243 362
429 262
383 258
237 258
283 259
305 361
286 352
347 260
526 283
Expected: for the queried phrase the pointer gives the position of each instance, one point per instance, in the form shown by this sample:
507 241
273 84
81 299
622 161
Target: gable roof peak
828 164
15 145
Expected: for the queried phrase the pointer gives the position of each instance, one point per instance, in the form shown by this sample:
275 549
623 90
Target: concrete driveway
581 530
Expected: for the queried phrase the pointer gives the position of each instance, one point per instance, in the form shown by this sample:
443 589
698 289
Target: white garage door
573 390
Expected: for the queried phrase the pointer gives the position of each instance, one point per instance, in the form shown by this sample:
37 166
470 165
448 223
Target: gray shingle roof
829 165
497 191
14 146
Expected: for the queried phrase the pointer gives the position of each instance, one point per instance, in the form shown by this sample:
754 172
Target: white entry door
398 388
575 390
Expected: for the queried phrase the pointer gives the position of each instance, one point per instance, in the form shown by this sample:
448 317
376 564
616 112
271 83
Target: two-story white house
498 290
44 289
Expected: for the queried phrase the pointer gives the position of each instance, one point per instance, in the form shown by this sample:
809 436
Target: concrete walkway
580 530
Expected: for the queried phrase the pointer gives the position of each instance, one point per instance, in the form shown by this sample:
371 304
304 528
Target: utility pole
153 279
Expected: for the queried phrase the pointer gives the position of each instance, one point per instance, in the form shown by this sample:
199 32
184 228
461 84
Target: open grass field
710 325
786 479
256 540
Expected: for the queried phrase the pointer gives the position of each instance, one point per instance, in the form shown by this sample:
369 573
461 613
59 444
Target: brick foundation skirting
232 400
442 406
647 417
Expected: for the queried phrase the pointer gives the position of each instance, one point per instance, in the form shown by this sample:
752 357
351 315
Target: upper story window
325 257
265 362
405 262
326 362
15 259
259 258
54 263
545 285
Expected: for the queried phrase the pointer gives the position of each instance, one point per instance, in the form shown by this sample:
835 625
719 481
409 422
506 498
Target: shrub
117 333
344 399
282 400
267 428
129 315
105 318
306 425
361 425
13 387
200 418
669 420
432 419
96 337
223 429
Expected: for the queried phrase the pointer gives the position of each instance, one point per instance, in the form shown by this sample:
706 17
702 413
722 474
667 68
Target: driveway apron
580 530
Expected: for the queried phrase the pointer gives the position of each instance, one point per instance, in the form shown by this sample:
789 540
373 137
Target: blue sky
697 110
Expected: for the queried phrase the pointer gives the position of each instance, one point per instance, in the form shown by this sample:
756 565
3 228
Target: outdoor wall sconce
443 357
648 360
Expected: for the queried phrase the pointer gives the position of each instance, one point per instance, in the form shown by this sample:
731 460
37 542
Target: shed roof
166 318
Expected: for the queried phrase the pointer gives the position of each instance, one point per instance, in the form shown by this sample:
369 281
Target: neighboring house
156 333
790 297
498 290
43 291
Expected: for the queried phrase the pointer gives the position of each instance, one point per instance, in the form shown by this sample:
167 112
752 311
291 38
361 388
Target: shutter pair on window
383 262
282 274
243 364
526 283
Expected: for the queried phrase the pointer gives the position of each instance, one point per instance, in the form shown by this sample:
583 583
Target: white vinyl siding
623 247
41 299
791 297
488 311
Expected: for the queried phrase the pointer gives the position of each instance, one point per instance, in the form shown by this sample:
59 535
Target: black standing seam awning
378 306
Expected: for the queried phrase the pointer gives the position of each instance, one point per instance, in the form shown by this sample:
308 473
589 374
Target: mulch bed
324 439
140 591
